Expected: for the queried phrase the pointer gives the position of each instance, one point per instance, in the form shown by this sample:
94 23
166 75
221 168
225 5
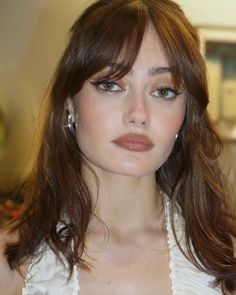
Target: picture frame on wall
218 46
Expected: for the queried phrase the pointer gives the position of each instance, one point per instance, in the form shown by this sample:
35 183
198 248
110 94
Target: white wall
211 12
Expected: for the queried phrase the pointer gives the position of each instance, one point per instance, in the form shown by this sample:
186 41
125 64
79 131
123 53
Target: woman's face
129 126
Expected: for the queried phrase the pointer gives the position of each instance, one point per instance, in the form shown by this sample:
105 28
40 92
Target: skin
11 282
134 260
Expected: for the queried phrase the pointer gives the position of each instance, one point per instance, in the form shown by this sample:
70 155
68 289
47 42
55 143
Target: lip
134 142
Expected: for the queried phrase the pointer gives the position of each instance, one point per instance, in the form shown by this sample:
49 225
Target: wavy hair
106 31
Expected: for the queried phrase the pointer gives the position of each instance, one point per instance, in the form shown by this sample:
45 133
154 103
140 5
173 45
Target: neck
124 203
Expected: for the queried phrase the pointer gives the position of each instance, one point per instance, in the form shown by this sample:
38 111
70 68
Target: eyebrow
153 71
158 71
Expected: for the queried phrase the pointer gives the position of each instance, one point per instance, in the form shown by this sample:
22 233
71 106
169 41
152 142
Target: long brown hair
107 31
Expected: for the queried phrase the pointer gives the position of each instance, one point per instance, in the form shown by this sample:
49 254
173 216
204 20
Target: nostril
137 115
132 121
138 121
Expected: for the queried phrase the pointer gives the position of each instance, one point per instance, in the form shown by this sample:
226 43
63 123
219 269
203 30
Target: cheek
179 116
170 121
90 118
174 122
94 122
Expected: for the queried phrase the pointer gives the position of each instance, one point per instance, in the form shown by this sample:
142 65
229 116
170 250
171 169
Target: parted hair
108 31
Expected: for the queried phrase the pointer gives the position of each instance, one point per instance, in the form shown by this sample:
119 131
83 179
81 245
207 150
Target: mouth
134 142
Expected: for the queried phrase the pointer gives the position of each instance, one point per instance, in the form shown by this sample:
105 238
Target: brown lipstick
134 142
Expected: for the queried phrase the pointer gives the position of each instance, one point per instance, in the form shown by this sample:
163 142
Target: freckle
108 283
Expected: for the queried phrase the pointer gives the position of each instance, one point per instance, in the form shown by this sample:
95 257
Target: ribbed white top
48 275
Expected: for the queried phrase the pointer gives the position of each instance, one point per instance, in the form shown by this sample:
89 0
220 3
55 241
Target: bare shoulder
11 282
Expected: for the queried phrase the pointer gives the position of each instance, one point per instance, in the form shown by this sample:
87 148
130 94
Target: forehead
152 53
151 57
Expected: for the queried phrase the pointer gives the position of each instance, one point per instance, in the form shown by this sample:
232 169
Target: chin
133 171
125 167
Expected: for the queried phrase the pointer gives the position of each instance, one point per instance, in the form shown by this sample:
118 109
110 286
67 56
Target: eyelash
99 84
173 92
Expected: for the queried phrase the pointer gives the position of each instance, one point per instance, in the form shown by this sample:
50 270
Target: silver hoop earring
71 124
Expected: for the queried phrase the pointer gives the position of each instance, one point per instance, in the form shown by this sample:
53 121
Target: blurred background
32 38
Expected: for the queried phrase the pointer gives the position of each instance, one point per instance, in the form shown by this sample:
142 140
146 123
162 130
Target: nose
136 111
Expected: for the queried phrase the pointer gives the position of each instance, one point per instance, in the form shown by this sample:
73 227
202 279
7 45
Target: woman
126 196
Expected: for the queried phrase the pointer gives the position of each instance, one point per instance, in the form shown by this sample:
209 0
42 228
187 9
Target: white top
48 275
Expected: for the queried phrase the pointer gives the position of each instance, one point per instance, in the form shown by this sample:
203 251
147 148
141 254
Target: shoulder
234 245
11 281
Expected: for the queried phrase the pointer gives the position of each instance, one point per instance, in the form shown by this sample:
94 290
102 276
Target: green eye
165 93
107 86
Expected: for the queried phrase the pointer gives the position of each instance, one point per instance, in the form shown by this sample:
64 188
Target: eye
165 93
107 86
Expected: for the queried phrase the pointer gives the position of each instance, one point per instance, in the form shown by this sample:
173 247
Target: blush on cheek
171 127
91 113
175 122
91 129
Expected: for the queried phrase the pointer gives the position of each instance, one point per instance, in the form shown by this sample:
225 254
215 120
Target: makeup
134 142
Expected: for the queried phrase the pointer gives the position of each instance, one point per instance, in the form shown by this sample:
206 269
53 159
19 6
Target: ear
70 107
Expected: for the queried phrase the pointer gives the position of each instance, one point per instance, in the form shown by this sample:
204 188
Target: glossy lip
134 142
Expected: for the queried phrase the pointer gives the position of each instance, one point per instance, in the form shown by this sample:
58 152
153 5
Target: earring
70 124
176 136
